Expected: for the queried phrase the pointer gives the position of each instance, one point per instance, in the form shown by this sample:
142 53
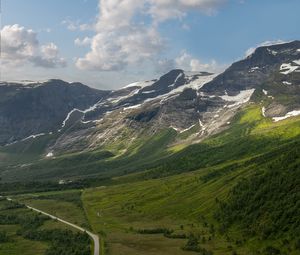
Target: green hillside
250 134
234 193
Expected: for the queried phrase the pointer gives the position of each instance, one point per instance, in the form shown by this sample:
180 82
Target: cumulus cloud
187 62
115 50
83 42
21 46
121 39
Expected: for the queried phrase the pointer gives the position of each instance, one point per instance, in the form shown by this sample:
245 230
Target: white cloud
121 39
164 65
115 50
186 62
83 42
76 25
117 14
20 46
162 10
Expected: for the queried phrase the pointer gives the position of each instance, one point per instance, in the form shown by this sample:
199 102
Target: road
93 236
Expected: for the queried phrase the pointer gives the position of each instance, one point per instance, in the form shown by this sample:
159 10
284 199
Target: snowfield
242 98
297 62
288 115
141 84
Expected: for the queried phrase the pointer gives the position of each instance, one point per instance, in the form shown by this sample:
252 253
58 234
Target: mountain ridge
195 106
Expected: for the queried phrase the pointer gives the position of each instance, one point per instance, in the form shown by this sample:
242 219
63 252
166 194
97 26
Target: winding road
93 236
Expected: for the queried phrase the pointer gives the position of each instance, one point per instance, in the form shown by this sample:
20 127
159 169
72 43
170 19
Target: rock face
198 103
257 68
30 109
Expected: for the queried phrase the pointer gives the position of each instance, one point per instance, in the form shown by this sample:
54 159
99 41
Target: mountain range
211 158
82 118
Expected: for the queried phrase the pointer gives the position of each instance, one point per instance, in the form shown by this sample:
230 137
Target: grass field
23 231
18 245
181 203
167 204
66 205
186 203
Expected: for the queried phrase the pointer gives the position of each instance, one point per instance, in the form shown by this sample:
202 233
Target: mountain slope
187 163
36 108
141 124
207 202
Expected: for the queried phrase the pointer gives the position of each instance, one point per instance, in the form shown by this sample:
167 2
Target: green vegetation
235 193
66 205
24 152
246 174
249 135
23 232
96 163
267 204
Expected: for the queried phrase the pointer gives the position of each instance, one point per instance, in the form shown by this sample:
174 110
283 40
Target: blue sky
130 40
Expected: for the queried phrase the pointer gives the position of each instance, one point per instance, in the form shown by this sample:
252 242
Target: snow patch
148 92
178 77
201 124
132 107
118 99
141 84
68 116
265 92
273 52
243 97
28 82
253 69
187 129
33 137
287 68
50 155
134 84
8 144
287 83
184 130
176 129
297 62
90 109
263 111
288 115
193 84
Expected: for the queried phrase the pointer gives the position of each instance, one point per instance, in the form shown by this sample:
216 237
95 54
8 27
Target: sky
110 43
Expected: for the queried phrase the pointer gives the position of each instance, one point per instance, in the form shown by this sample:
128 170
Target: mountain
189 163
31 109
274 69
73 118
